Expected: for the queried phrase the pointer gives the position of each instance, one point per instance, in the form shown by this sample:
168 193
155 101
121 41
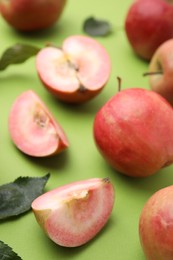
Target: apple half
33 129
76 72
71 215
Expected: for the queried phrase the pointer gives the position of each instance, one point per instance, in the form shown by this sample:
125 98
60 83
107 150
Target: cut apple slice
76 72
73 214
33 129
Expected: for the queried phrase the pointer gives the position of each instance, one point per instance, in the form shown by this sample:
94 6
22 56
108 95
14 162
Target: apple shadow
90 107
143 185
128 51
54 162
150 184
56 29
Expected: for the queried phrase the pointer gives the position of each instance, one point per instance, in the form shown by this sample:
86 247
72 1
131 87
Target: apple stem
119 83
51 44
106 180
152 73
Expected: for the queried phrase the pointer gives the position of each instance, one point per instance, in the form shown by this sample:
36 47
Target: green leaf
16 54
95 27
6 252
16 197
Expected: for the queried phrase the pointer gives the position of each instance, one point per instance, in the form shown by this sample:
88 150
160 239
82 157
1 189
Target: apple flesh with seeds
148 24
71 215
156 225
31 15
133 132
161 71
76 72
33 129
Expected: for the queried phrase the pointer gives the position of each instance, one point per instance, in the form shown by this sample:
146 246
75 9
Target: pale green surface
119 239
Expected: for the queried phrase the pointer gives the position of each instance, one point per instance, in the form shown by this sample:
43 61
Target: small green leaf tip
94 27
6 252
16 197
16 54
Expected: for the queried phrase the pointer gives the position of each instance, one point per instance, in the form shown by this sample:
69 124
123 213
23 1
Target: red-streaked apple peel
156 225
76 72
133 132
161 70
71 215
148 24
33 128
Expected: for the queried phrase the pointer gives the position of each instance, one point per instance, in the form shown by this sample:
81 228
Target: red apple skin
71 215
148 24
133 132
33 129
156 225
75 73
31 15
161 61
80 96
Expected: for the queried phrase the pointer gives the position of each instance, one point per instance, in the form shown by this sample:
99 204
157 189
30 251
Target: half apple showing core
73 214
76 72
33 129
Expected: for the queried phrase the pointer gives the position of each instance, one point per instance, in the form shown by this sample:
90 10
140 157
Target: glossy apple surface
33 129
161 71
148 24
31 15
76 72
73 214
133 132
156 226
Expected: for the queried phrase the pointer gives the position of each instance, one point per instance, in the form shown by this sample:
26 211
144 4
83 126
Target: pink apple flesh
73 214
31 15
33 129
156 225
133 132
76 72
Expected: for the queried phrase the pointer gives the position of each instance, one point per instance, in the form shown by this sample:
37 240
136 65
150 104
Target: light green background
119 239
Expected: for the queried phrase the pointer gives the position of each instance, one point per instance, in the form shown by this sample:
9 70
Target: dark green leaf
96 27
16 54
16 197
6 252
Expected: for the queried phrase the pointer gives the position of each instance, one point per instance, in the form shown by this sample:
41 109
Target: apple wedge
33 129
73 214
76 72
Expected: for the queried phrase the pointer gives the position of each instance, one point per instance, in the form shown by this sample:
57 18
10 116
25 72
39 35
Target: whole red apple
161 70
31 15
156 226
148 24
133 132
